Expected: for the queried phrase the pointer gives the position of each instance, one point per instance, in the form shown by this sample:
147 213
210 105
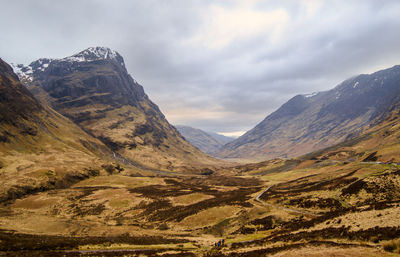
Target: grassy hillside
332 204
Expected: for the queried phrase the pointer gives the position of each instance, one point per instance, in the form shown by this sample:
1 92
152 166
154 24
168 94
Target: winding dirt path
258 196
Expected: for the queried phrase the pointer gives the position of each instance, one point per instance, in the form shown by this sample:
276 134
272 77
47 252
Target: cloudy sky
218 65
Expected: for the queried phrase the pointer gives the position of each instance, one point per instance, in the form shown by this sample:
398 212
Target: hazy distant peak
208 142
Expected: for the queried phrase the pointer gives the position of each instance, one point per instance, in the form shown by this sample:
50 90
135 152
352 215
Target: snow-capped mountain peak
25 73
95 53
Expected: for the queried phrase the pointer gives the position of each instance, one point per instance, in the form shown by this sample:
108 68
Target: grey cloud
230 88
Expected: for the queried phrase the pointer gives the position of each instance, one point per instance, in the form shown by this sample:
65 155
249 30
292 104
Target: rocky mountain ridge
310 122
87 55
94 89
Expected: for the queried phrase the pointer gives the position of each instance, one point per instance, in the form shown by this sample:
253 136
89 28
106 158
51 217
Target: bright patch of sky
234 134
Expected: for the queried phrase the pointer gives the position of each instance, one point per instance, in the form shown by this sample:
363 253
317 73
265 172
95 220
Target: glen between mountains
89 166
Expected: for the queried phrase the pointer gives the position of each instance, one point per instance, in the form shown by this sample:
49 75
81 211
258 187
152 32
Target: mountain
207 142
40 149
378 143
94 89
17 104
310 122
221 138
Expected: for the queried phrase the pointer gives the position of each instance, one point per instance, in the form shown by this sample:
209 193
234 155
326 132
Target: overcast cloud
212 64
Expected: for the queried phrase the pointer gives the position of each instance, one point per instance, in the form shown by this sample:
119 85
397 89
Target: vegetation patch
209 216
392 246
190 198
35 202
10 241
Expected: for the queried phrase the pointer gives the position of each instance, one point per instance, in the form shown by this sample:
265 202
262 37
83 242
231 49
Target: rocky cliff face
310 122
94 89
95 75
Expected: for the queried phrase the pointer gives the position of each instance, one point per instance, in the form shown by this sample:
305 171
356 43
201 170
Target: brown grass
392 246
120 181
210 216
332 252
189 199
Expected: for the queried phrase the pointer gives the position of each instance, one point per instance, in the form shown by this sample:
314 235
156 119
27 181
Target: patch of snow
310 95
93 54
74 59
23 72
356 84
338 95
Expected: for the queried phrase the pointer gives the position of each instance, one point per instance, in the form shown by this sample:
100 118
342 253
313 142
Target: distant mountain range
310 122
208 142
95 91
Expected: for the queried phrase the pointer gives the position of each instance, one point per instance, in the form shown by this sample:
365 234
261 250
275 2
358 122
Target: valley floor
309 208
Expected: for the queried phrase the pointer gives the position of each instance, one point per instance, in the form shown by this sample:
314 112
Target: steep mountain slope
94 89
310 122
206 142
379 143
39 148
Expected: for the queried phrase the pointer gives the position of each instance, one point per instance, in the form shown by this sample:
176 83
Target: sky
217 65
